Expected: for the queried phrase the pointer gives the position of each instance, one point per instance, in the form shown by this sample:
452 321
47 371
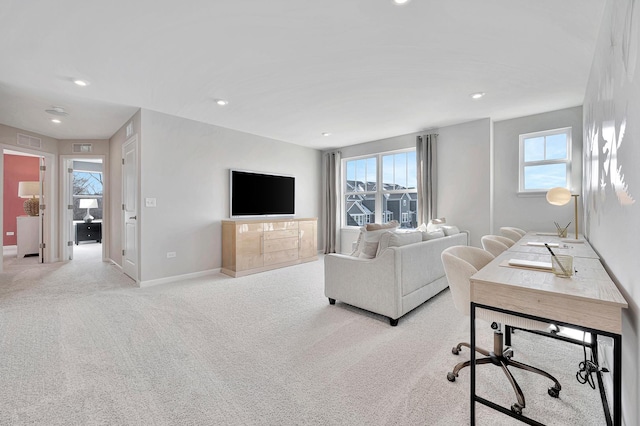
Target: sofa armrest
371 284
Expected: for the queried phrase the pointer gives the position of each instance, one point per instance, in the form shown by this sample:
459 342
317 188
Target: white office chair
460 263
512 233
495 244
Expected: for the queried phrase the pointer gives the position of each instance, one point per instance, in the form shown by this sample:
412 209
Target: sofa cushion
438 233
450 230
398 239
369 238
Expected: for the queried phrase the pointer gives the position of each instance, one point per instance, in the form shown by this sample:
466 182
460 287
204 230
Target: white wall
532 212
463 198
464 169
612 155
185 166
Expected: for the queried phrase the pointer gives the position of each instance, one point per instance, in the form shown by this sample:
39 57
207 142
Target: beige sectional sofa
405 273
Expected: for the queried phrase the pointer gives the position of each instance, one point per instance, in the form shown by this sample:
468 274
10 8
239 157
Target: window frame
379 191
566 161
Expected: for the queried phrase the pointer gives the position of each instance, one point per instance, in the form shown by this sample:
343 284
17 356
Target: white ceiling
292 69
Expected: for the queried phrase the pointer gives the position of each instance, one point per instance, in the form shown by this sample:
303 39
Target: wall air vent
82 148
30 141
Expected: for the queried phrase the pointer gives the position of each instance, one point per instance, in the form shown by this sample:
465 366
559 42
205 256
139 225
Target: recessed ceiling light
399 2
222 102
326 134
477 95
81 83
55 120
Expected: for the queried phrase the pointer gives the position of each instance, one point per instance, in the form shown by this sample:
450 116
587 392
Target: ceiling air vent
82 148
30 141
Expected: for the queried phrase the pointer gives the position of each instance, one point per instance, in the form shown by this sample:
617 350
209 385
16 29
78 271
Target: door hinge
43 245
43 206
123 207
123 161
123 252
69 243
43 168
69 170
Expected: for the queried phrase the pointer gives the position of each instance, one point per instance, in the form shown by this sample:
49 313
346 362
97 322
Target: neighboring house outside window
545 160
380 188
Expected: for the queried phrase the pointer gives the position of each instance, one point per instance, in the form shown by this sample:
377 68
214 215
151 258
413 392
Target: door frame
48 234
66 225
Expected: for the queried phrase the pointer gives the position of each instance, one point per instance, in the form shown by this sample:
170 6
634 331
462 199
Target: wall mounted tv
261 194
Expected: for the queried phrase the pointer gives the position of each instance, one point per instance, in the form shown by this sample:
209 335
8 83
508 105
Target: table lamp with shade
31 191
88 203
560 196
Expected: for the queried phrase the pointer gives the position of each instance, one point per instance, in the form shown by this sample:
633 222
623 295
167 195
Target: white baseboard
149 283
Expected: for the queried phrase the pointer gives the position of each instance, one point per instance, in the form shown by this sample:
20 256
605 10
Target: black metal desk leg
617 379
473 363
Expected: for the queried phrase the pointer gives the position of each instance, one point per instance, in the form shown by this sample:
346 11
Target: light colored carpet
79 345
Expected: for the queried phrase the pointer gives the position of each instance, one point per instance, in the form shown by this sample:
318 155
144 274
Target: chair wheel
554 392
455 350
517 409
451 377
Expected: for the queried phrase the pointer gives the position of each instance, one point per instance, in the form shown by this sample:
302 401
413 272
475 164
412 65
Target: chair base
504 361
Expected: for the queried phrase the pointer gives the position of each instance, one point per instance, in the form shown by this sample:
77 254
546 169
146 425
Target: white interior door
130 208
68 229
43 210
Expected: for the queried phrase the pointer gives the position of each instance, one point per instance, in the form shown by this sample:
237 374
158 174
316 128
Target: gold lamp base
32 207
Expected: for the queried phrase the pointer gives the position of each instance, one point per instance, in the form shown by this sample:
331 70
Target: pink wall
16 168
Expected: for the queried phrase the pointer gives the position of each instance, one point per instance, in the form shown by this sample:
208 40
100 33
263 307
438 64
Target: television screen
261 194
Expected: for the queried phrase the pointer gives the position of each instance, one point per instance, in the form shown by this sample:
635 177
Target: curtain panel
427 174
332 202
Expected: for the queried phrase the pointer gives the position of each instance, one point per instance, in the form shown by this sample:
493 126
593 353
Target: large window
381 188
545 160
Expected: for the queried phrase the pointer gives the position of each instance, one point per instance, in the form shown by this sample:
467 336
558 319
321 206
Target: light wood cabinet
250 246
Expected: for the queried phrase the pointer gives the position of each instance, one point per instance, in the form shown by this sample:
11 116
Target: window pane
411 170
534 149
361 175
545 177
387 171
400 162
557 147
360 209
401 207
371 174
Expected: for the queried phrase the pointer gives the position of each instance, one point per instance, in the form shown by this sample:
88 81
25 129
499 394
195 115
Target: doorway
84 208
27 191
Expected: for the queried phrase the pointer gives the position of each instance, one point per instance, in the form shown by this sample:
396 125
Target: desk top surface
589 298
576 249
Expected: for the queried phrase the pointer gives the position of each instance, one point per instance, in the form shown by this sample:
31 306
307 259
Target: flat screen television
256 194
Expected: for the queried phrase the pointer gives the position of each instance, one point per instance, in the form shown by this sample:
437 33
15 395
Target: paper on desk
538 244
530 264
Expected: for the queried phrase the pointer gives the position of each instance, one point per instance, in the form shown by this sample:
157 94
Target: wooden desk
588 301
582 249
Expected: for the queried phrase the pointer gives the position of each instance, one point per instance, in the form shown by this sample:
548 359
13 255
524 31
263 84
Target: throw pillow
397 239
375 226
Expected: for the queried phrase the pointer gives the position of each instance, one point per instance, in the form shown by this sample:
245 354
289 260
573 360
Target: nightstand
91 231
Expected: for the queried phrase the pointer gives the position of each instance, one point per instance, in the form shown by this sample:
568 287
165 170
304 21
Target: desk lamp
560 196
88 203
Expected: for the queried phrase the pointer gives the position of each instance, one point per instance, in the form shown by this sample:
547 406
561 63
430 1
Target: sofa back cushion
398 239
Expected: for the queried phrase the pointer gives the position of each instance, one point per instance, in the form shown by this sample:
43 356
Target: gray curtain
331 202
427 174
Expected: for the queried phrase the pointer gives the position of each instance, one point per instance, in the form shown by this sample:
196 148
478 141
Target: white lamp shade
558 196
88 203
28 189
